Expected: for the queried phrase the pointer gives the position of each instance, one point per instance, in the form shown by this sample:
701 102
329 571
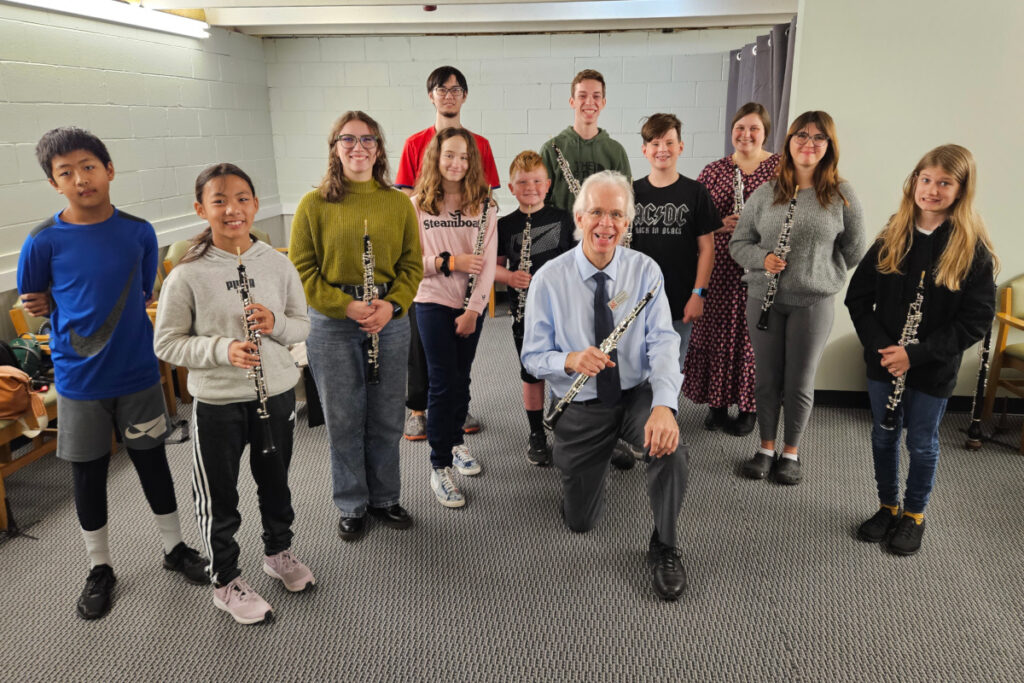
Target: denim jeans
683 330
449 360
364 422
921 414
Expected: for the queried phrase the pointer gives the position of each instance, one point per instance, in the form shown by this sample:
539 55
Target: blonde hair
473 186
967 228
525 162
826 173
334 185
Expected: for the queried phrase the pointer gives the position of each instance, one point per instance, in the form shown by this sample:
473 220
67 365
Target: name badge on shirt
619 299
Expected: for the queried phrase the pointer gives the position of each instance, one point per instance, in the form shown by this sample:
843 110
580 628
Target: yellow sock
894 509
918 517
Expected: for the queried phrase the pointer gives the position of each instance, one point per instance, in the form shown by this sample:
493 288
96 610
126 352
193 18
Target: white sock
97 546
790 456
766 451
170 530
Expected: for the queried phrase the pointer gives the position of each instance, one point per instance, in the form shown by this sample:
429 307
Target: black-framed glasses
818 140
457 91
349 141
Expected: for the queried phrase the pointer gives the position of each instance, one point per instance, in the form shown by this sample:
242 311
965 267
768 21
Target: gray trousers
786 356
585 437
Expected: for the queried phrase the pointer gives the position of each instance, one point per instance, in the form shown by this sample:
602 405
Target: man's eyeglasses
349 141
455 92
616 215
818 140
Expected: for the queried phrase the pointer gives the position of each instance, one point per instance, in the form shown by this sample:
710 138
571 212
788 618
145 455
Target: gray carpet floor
779 588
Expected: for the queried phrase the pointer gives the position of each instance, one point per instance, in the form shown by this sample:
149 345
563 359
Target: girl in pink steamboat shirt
450 196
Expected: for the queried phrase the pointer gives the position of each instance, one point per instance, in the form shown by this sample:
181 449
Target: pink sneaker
240 601
293 574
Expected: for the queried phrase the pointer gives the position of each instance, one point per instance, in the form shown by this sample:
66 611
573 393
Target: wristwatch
445 269
702 292
396 310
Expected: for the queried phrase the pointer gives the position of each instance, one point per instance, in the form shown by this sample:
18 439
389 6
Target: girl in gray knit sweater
826 240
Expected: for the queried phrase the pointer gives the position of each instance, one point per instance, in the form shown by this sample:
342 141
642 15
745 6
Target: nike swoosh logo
154 429
94 343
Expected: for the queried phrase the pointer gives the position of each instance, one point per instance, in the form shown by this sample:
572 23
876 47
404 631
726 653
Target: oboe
478 248
781 249
907 337
570 179
974 434
254 337
607 346
372 341
525 263
737 192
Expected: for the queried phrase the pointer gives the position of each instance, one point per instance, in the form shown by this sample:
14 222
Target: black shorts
526 377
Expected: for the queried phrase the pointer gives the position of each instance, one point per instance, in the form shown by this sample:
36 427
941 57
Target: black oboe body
781 250
372 341
974 434
908 336
254 337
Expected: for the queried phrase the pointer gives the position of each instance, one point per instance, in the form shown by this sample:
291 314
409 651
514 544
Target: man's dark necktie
608 387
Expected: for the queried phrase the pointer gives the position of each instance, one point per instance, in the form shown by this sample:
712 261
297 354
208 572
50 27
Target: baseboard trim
957 404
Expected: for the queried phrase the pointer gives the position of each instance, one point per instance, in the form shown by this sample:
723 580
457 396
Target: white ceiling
354 17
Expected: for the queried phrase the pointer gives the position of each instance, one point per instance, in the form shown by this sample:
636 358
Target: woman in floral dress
719 366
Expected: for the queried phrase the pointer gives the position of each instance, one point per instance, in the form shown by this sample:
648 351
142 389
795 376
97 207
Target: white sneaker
240 601
447 493
464 462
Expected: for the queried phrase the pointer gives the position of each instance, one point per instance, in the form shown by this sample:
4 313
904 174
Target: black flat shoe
742 425
758 466
351 528
717 418
622 457
394 516
788 472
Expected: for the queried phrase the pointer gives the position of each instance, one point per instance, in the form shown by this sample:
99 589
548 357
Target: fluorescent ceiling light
122 13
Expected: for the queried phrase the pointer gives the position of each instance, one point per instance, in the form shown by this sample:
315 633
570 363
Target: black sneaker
758 466
189 563
906 539
538 454
788 471
94 602
667 574
875 529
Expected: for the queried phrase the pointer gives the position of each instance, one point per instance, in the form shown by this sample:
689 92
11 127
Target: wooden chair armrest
1010 320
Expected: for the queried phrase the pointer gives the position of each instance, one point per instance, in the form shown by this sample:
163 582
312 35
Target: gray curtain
762 72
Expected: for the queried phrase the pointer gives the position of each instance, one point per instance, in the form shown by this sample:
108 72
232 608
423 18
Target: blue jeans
921 414
364 422
683 330
449 360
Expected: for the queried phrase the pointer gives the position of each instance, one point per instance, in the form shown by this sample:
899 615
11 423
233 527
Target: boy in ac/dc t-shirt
675 217
551 234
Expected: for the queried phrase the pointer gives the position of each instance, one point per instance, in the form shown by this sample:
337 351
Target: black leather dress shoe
351 528
717 418
623 457
667 574
394 516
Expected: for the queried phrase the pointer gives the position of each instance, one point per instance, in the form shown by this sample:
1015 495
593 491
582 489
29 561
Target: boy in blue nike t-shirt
91 268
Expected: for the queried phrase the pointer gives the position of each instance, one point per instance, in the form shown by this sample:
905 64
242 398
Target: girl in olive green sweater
364 418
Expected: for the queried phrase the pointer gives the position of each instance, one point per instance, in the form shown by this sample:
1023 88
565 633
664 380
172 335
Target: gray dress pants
585 437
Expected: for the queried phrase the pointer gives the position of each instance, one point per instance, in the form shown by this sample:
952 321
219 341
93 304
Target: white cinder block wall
518 91
166 106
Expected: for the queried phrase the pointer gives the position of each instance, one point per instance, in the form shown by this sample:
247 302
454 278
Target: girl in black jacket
936 232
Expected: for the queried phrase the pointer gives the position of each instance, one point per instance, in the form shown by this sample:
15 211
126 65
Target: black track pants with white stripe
219 436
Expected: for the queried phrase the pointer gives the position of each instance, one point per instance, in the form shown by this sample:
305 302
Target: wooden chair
1007 356
42 443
